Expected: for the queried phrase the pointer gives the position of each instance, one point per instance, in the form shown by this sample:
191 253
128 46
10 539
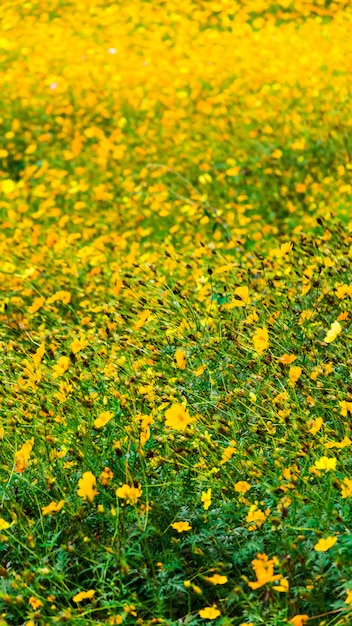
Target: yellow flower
78 344
103 419
180 358
130 494
349 597
61 366
316 425
333 332
35 603
261 340
53 507
22 456
216 579
264 571
206 498
241 296
4 525
325 544
228 453
8 186
181 526
294 374
283 586
287 359
346 488
177 417
256 516
299 620
83 595
86 485
209 612
242 486
325 463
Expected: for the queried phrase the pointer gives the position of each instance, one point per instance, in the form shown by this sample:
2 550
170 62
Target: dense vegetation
176 293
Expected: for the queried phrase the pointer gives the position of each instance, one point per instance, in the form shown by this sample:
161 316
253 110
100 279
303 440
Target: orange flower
264 571
299 620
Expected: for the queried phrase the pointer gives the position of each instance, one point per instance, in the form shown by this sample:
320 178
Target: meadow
175 312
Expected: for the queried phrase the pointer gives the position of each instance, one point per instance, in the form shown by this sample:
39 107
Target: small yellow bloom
349 597
177 417
242 486
294 374
283 586
130 494
180 358
4 525
35 603
316 425
209 612
103 419
181 526
325 463
86 485
346 488
84 595
216 579
261 340
299 620
61 366
333 332
325 544
206 498
53 507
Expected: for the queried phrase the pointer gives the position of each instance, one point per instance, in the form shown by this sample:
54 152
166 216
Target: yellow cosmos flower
261 340
346 488
181 526
206 498
216 579
333 332
299 620
177 417
242 486
84 595
210 612
325 463
180 358
86 486
53 507
325 544
103 419
130 494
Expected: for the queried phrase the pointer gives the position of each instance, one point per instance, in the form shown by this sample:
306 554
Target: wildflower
283 586
242 486
294 374
228 453
325 463
4 525
241 296
103 419
349 597
22 456
130 494
180 358
177 417
209 612
86 485
53 507
325 544
346 488
316 425
35 603
206 498
256 517
287 359
61 366
106 476
216 579
299 620
84 595
333 332
264 571
181 526
261 340
78 344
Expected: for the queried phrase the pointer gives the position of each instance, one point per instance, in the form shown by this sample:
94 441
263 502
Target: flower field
176 312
